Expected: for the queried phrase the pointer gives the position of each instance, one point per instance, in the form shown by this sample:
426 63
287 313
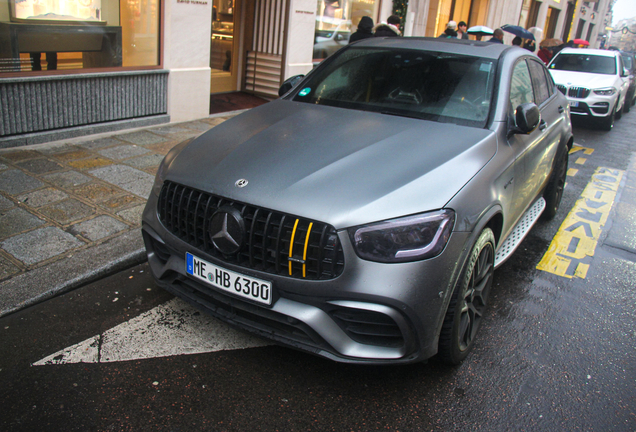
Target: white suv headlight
605 91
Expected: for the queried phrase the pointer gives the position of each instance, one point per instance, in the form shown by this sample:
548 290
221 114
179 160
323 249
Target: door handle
543 125
561 109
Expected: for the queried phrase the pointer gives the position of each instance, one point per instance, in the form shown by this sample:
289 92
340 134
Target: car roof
472 48
588 51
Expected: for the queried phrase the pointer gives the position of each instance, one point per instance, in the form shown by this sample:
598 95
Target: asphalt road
556 352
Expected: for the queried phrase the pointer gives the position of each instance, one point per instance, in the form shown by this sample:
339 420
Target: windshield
585 63
422 84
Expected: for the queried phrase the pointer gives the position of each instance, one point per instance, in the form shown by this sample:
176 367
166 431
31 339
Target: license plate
238 284
574 104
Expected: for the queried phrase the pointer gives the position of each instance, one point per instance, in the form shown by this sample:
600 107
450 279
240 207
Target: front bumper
592 106
373 313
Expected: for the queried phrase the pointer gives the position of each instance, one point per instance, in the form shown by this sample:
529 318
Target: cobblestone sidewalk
70 210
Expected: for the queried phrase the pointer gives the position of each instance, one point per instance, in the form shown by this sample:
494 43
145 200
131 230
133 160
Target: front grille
562 88
186 213
579 92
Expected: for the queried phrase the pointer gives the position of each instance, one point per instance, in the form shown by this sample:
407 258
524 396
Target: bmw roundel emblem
241 183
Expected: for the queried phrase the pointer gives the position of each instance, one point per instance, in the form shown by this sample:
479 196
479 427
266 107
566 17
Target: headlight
605 91
165 163
410 238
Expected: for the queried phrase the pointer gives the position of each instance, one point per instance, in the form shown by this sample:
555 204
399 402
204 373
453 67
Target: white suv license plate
574 104
238 284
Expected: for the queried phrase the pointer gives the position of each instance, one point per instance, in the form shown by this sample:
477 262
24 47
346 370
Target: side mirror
527 118
289 84
625 72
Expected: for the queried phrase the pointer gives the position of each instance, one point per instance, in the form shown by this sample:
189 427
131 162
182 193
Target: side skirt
519 232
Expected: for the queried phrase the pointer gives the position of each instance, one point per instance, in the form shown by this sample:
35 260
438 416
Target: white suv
594 81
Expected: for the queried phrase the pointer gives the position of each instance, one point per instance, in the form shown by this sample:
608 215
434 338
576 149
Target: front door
224 45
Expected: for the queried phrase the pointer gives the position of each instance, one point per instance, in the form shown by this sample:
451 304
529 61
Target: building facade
77 67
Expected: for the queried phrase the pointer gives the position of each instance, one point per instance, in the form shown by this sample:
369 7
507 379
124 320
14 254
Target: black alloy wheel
468 303
554 191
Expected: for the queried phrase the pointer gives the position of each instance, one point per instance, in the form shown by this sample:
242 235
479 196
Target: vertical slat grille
36 104
186 213
562 88
579 92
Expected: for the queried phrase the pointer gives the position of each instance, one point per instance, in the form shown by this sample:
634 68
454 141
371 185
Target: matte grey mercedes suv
360 216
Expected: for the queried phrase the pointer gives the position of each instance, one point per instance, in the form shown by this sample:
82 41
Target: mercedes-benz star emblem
227 230
241 183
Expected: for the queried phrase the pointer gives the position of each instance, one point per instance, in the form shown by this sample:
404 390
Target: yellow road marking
580 161
576 148
572 172
572 248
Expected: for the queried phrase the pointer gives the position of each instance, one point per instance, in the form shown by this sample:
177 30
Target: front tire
619 113
607 123
468 303
554 191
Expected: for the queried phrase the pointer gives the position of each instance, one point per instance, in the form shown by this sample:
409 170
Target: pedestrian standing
388 29
451 30
461 30
364 31
497 36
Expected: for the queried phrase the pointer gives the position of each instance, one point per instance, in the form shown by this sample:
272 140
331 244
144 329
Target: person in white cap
451 30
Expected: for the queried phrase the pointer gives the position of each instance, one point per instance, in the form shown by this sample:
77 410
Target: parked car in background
630 64
327 42
594 81
360 217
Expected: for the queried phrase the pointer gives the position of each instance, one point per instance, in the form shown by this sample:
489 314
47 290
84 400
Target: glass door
224 46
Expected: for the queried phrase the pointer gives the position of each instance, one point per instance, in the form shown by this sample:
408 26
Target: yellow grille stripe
291 246
305 251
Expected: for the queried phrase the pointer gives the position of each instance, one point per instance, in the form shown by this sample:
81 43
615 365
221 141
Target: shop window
529 13
579 29
473 12
551 22
336 20
46 35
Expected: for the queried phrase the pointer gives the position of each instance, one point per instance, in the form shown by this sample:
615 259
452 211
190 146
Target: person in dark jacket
461 30
451 30
497 36
390 29
365 30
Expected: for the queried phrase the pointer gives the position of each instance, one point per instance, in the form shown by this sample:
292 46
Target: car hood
339 166
582 79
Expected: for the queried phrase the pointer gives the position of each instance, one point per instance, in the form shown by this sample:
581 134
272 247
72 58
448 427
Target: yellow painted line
572 248
580 161
572 172
291 246
577 148
305 251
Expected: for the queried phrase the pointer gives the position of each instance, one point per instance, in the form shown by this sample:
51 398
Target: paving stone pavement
70 211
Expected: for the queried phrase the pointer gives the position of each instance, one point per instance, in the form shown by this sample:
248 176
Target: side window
541 92
550 81
520 85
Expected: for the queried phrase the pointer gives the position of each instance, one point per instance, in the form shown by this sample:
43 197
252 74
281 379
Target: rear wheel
554 191
607 123
468 303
